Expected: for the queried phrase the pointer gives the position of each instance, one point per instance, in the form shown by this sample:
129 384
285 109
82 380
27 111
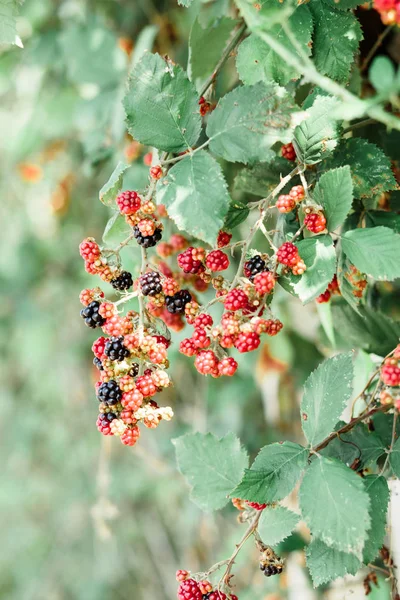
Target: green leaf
116 230
161 105
276 524
378 492
382 74
92 55
261 179
211 466
335 505
374 218
266 13
248 121
326 393
316 137
343 4
359 443
8 22
206 45
368 329
185 3
395 458
196 197
374 251
336 38
324 311
256 61
370 167
326 564
334 192
319 256
274 473
112 188
237 213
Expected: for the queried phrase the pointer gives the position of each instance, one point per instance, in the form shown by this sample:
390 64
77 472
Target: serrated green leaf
335 505
266 13
382 74
319 256
343 4
195 194
316 137
276 524
261 178
248 121
334 192
324 310
256 61
206 45
161 105
395 458
336 38
274 473
368 329
378 492
374 218
8 21
370 167
326 393
326 564
374 251
112 188
359 443
211 466
116 230
237 213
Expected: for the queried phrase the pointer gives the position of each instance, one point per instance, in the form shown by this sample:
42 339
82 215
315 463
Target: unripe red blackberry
123 282
227 366
285 203
150 284
287 254
182 575
217 261
390 375
299 267
315 222
203 320
115 349
200 338
189 590
223 239
98 347
128 202
187 347
132 400
87 296
297 193
156 172
325 297
170 286
147 241
264 282
247 341
146 227
91 315
161 339
273 327
288 152
256 505
178 242
130 436
236 299
177 302
206 362
146 386
164 249
188 264
205 586
109 392
253 266
89 250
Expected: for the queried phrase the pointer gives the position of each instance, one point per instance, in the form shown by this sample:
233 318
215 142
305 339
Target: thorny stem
370 380
359 124
375 47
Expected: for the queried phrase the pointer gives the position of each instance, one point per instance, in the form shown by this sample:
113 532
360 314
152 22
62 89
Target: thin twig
359 124
375 47
390 450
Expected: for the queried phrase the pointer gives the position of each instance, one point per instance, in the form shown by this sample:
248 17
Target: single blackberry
150 284
177 302
115 349
91 315
254 266
134 370
123 282
109 392
97 363
149 240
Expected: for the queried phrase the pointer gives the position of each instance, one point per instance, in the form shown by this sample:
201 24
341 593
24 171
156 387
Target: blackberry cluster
147 241
269 570
97 363
134 370
91 315
177 302
115 349
150 284
254 266
123 282
109 392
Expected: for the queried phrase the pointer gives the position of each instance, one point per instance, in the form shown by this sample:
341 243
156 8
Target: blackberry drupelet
254 266
109 392
150 284
177 302
123 282
115 349
134 370
91 315
97 363
149 240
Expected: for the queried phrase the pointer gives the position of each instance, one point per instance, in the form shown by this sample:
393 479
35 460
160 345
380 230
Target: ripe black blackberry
109 392
147 241
97 363
115 349
177 302
90 314
254 266
150 284
123 282
134 370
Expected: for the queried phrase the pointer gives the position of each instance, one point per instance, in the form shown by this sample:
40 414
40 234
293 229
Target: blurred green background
84 517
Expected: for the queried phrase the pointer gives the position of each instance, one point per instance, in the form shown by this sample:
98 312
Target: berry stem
375 47
390 449
176 159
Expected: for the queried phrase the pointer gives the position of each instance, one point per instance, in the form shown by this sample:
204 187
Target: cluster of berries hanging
389 11
190 589
390 376
331 290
